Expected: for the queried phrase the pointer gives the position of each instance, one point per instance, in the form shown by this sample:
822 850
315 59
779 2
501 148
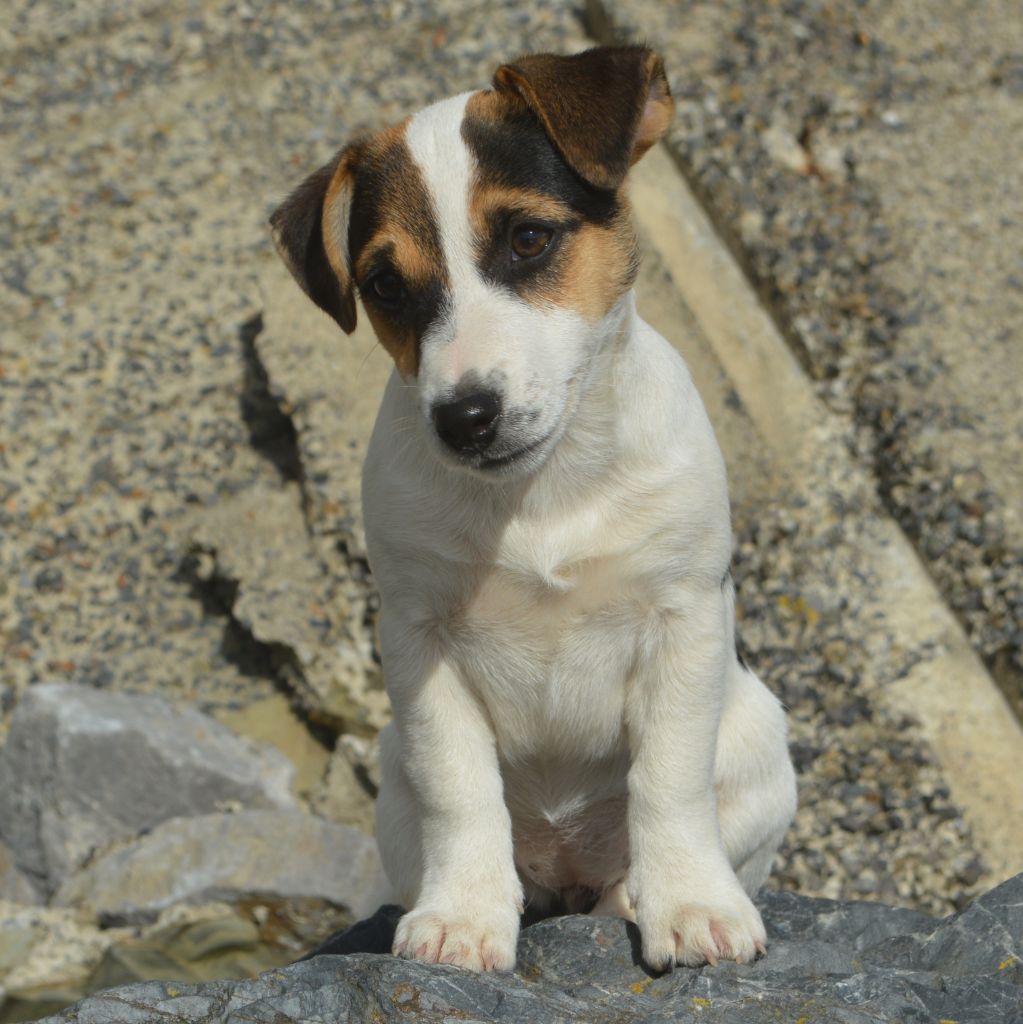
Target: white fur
558 644
487 333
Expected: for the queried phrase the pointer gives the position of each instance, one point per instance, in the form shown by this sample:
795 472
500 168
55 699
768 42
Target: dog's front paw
696 930
478 941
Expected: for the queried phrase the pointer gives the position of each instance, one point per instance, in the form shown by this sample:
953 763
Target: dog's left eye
386 286
530 240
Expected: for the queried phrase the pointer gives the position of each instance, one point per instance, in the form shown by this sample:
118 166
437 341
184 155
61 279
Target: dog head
489 239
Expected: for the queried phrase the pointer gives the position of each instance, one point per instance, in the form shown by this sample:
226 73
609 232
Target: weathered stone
16 942
224 946
46 955
50 958
255 546
853 963
273 722
230 857
14 886
310 367
344 793
82 767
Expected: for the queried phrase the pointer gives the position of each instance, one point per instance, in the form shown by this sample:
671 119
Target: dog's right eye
530 240
386 287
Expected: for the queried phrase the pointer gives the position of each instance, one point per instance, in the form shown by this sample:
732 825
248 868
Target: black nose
468 424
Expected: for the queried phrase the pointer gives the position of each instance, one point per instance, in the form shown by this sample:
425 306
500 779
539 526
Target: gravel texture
816 622
181 432
863 160
142 165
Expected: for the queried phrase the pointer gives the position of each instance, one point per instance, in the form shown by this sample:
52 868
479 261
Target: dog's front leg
690 906
469 896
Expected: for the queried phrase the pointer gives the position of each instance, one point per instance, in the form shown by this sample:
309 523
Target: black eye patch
515 152
411 305
516 250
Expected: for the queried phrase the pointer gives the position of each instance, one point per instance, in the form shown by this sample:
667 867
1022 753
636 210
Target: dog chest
549 650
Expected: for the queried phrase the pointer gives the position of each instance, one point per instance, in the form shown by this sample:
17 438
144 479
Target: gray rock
82 767
229 857
14 886
828 961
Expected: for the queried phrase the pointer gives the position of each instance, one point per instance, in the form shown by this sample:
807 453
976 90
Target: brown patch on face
520 179
599 266
592 267
407 254
393 230
365 214
399 342
491 202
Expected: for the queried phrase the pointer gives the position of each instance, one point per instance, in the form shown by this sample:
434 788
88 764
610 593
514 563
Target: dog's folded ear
310 230
603 108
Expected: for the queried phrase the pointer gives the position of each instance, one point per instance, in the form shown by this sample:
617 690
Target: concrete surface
181 431
863 159
979 742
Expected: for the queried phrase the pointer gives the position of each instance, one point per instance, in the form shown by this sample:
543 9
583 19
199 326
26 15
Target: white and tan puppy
547 516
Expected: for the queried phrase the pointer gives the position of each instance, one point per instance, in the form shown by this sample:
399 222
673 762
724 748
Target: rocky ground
180 438
856 963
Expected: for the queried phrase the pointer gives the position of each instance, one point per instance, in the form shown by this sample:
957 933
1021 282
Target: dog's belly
569 831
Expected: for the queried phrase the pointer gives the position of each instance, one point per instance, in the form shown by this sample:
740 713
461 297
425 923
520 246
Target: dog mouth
495 463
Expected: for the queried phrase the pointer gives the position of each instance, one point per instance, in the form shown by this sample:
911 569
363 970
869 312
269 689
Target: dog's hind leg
754 779
615 903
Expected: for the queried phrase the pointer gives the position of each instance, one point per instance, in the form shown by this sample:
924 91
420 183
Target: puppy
547 517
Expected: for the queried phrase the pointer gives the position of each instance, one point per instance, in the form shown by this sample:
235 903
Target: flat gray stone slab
81 768
852 963
228 857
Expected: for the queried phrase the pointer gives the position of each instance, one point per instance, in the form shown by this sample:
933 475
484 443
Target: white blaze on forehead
434 137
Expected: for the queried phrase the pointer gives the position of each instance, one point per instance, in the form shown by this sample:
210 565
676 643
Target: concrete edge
962 711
